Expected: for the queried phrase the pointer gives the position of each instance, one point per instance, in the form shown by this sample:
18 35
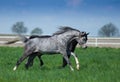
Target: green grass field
96 65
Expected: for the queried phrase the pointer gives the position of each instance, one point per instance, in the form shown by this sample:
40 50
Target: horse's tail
22 38
13 41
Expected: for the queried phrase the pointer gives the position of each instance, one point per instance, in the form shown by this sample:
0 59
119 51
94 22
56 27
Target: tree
19 28
36 31
108 30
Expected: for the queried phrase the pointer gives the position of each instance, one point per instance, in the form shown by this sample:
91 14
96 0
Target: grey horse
57 43
71 47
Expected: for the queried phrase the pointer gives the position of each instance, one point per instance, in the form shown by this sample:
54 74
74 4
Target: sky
49 15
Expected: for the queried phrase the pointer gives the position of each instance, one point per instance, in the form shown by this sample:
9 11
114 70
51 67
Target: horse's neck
71 45
64 38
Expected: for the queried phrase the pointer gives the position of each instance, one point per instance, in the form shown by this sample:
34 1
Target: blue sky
85 15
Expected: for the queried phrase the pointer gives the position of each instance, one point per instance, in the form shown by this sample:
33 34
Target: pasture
96 65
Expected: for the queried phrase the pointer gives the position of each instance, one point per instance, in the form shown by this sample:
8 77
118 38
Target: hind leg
41 61
25 55
39 56
19 61
30 60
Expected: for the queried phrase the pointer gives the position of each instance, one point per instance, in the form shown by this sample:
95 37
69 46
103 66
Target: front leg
76 59
67 60
64 61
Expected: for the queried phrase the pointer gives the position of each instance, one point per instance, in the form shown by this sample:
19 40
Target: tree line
20 28
107 30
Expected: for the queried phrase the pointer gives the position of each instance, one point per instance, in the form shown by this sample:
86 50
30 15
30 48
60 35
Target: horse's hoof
14 68
78 67
72 69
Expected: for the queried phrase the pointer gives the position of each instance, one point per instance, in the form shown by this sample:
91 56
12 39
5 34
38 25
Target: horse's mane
64 29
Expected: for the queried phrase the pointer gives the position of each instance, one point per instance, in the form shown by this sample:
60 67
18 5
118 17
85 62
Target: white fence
92 41
104 42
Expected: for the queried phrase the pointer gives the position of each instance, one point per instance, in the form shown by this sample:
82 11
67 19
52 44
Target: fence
92 41
104 42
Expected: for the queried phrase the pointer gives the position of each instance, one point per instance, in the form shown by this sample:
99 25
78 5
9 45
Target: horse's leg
41 61
19 61
67 59
30 61
72 49
31 58
76 59
64 61
25 55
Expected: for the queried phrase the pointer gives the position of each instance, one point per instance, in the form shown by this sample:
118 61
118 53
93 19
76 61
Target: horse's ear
88 33
83 33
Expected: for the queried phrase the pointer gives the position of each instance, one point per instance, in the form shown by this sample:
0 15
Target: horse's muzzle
84 46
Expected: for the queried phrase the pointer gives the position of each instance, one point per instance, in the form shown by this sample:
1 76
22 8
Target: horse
71 47
57 43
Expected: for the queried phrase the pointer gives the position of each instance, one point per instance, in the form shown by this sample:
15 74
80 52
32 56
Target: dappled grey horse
71 47
57 43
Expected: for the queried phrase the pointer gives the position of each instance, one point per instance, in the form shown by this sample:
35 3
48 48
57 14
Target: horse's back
37 36
43 44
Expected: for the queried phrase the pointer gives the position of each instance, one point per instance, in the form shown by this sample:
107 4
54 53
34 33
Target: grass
96 65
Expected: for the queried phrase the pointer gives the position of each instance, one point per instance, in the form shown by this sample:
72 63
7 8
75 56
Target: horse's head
82 39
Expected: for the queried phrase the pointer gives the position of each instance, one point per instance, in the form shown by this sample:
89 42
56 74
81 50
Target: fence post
96 43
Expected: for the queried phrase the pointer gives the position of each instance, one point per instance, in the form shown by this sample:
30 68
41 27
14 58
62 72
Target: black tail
22 38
